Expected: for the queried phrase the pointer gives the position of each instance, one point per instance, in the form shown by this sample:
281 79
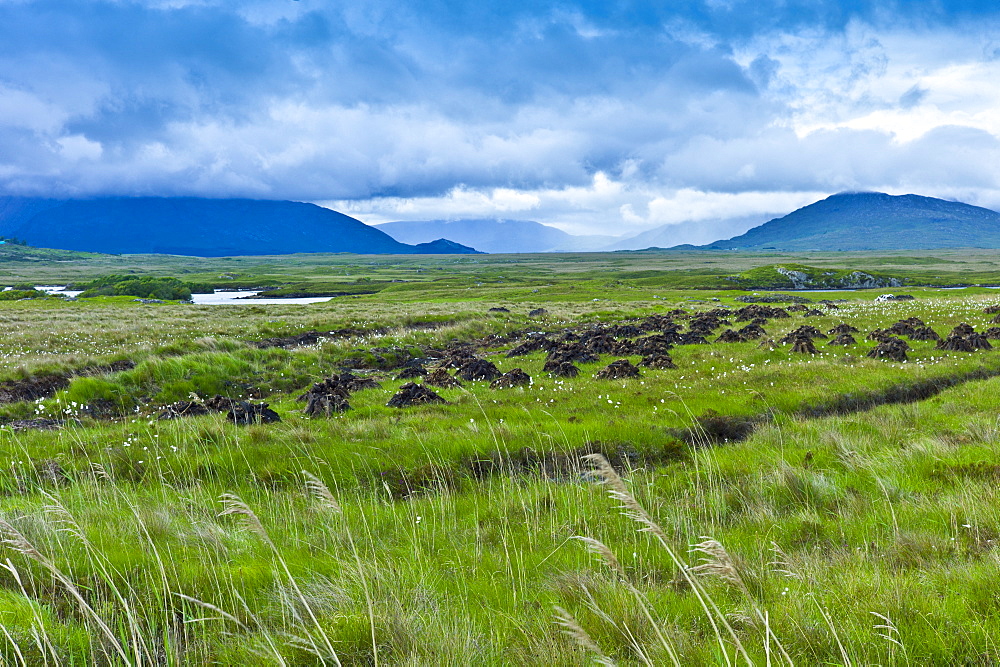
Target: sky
596 117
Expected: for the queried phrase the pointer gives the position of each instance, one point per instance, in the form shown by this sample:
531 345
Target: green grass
448 533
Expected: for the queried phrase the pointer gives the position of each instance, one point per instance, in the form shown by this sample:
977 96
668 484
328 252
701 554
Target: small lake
243 297
219 298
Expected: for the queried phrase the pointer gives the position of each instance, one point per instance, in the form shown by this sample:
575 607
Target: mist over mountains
223 227
845 221
514 236
496 236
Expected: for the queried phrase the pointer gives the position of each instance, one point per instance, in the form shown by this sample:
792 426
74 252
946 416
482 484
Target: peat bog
536 459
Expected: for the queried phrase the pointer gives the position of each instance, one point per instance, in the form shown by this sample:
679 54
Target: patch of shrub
144 287
18 294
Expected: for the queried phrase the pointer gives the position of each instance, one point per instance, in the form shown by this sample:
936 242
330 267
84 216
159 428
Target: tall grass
442 534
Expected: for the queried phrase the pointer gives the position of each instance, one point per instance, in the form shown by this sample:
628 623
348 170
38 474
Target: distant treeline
13 240
145 287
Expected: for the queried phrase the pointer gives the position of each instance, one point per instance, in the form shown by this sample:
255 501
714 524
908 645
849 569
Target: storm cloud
596 119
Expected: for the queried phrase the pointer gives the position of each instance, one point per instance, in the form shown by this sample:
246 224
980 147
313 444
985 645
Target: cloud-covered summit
597 117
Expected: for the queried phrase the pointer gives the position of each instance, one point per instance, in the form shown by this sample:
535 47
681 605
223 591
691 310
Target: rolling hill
873 221
199 227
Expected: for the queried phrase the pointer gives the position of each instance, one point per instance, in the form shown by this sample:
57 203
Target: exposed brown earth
245 413
894 349
618 370
804 345
561 369
512 378
441 378
661 361
478 370
411 394
843 339
842 328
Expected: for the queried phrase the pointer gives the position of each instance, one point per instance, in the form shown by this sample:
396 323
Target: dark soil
318 404
625 331
692 339
298 340
804 331
843 339
33 388
574 352
441 378
183 409
963 329
978 341
458 359
924 333
512 378
661 361
562 369
655 344
328 396
532 344
956 343
412 393
804 345
893 349
245 413
600 344
478 369
411 372
902 393
713 428
618 370
220 403
755 312
355 383
842 328
752 331
44 386
729 336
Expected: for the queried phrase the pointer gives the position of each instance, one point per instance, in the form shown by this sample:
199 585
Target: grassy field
753 504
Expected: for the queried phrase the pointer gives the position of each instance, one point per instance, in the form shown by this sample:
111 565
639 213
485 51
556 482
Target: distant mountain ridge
496 235
873 221
198 226
688 233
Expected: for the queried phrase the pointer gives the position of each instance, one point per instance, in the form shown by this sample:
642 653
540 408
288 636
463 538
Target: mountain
687 233
874 221
495 236
198 226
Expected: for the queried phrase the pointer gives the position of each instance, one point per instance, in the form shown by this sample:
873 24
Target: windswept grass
759 507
